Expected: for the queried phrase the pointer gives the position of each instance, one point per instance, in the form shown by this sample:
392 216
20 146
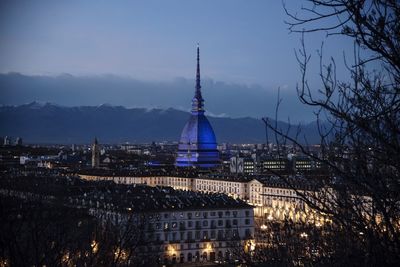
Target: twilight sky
244 44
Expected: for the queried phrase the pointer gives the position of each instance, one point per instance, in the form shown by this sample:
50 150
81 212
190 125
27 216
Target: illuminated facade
204 228
271 200
198 145
204 235
274 164
305 163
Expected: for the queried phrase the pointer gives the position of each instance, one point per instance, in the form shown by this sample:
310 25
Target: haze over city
191 133
141 54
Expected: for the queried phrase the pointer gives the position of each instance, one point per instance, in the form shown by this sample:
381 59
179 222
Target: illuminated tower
198 146
95 154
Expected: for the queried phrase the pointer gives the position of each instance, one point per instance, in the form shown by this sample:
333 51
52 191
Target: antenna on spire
198 57
198 71
197 102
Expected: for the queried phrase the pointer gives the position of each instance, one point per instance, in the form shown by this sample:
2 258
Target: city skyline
270 143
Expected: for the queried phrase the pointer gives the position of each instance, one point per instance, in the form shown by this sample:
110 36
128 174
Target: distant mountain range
49 123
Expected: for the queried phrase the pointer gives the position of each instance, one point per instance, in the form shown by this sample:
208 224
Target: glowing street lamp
303 235
95 246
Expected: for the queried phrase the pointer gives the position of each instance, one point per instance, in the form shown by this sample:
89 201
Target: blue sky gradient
243 43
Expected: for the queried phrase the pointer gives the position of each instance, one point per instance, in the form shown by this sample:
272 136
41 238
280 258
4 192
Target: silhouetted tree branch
358 121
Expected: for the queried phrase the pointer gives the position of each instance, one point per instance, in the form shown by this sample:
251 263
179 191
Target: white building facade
270 200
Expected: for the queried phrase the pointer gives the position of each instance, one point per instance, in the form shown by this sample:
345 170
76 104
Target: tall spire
197 101
197 145
198 86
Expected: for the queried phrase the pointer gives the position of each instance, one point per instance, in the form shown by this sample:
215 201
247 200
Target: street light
303 235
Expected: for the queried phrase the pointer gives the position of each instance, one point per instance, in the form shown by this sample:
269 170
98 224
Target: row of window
279 191
168 180
202 235
215 188
197 224
196 246
207 182
197 257
204 214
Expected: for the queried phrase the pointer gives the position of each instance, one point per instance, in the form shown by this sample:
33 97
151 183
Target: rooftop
141 198
116 197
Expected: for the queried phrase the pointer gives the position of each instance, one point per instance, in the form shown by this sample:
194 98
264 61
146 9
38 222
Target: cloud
221 99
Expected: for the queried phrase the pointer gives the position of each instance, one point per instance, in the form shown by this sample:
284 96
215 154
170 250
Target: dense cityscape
179 215
169 203
194 200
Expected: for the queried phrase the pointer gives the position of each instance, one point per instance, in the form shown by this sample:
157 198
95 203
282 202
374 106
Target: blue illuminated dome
198 145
